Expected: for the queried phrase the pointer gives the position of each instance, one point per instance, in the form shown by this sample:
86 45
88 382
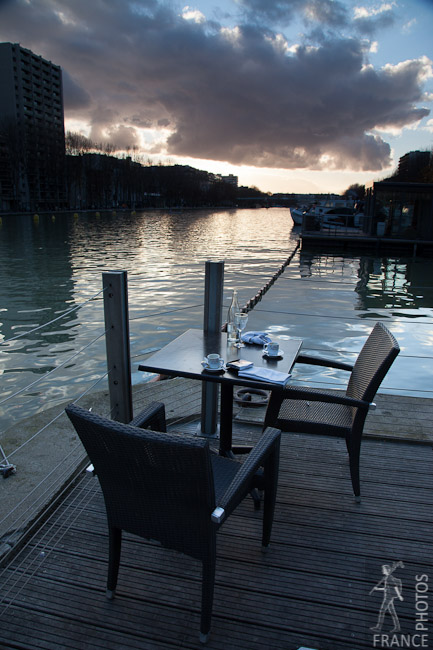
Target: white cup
214 361
272 349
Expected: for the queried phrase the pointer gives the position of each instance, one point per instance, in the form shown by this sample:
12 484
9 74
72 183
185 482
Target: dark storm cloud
324 13
275 11
75 97
241 96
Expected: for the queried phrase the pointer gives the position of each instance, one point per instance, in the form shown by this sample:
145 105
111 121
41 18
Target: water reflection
29 255
389 283
382 283
49 265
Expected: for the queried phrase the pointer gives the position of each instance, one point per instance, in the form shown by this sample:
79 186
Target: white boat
298 213
330 212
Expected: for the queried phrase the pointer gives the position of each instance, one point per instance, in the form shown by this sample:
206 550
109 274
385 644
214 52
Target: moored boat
297 214
330 212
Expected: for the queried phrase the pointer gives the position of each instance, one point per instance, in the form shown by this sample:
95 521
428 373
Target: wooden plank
311 588
270 578
395 417
182 397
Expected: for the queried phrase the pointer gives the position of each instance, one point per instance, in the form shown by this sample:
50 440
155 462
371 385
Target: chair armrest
268 443
328 363
152 417
322 396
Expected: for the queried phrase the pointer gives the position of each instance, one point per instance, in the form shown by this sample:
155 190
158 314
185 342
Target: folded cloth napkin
265 374
259 338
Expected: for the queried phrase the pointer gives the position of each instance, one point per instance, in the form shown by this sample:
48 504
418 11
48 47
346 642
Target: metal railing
48 457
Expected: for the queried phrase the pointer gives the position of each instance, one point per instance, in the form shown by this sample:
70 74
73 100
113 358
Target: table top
182 357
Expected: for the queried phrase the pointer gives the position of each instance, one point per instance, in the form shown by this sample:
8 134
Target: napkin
259 338
265 374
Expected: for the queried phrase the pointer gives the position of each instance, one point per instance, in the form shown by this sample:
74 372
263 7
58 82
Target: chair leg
207 591
255 495
270 493
354 453
348 442
115 544
258 489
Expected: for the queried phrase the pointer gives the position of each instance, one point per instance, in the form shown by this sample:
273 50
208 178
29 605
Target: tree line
86 175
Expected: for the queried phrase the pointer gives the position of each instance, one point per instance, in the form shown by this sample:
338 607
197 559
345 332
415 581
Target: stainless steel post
115 286
213 306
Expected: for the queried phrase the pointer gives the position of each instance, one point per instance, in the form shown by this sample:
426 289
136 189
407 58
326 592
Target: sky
289 95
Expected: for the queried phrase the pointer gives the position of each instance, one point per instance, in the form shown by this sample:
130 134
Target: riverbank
134 211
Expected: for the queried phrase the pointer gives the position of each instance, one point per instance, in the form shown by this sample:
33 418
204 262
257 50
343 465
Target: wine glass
240 323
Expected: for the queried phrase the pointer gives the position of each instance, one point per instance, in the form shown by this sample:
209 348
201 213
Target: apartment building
32 137
412 165
231 180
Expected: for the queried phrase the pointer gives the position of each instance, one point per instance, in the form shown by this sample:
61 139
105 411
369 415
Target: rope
249 306
253 302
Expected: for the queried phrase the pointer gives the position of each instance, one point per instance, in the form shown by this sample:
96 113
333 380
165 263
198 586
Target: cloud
321 14
273 11
326 12
315 108
245 95
190 13
369 21
74 97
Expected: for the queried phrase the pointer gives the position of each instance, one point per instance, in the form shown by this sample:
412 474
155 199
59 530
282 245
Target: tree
355 190
77 144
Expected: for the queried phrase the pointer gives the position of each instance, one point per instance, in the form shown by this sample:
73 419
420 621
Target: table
182 357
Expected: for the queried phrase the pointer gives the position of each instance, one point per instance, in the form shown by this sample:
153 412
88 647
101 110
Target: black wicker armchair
307 410
171 488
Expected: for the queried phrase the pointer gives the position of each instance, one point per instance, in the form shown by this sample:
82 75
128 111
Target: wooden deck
311 589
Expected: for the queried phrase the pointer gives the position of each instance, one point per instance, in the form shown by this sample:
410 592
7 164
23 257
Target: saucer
209 369
280 355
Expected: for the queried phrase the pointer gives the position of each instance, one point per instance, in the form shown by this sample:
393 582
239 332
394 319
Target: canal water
51 264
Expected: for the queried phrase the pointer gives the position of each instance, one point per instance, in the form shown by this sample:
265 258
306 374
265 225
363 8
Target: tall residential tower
32 137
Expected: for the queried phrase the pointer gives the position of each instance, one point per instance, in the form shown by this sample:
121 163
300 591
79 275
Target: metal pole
115 286
213 297
213 305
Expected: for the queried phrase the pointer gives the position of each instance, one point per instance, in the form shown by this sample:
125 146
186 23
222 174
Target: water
48 265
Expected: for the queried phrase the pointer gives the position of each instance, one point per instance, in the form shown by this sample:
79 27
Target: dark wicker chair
171 488
307 410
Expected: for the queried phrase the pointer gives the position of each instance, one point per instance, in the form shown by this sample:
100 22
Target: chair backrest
156 485
372 364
